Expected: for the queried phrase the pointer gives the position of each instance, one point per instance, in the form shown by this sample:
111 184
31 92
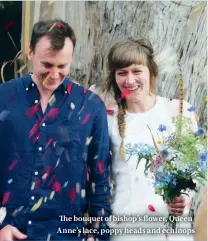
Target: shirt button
40 148
36 173
36 101
29 222
43 124
65 92
27 89
33 85
32 197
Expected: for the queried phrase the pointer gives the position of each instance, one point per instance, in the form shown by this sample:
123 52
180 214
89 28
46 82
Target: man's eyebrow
45 62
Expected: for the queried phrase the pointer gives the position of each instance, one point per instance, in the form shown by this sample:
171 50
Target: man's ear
30 53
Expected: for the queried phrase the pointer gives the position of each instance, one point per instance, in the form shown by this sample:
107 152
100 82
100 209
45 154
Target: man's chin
50 87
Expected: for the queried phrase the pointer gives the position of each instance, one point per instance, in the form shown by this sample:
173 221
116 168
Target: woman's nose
130 78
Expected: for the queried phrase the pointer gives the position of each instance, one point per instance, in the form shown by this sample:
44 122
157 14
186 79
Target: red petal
100 167
151 208
69 87
86 119
6 198
14 163
32 111
53 112
36 138
125 93
84 91
35 128
59 25
72 194
37 183
8 25
49 142
110 112
56 186
47 169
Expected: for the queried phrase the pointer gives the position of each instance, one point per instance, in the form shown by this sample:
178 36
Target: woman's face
135 80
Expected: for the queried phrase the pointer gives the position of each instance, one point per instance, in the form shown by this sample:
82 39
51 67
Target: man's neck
44 93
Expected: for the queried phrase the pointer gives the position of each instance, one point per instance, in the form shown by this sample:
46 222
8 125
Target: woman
132 81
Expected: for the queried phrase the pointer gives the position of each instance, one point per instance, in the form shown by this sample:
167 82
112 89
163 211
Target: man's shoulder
8 86
88 97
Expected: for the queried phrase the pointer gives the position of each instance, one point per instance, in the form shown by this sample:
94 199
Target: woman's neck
141 105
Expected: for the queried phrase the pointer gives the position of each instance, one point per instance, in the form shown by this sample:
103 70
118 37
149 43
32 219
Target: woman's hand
10 233
177 206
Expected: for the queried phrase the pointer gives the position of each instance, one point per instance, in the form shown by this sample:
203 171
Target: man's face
50 66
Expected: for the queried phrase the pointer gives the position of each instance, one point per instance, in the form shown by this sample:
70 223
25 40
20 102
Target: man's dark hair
56 30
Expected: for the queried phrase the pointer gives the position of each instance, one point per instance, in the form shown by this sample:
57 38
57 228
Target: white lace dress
134 192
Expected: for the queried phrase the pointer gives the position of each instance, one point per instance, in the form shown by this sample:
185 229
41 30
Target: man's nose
54 73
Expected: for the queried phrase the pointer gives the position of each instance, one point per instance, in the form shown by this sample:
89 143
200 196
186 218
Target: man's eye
137 71
46 65
61 66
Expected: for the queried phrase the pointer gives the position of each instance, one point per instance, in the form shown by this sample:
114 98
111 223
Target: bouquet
175 162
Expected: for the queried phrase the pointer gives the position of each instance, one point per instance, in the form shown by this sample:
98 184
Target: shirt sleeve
98 187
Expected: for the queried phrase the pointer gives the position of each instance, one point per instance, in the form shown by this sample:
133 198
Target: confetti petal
3 213
49 142
72 106
3 115
52 195
93 187
110 112
69 88
100 167
32 111
8 25
151 208
87 117
72 194
36 138
89 139
6 198
53 113
56 186
14 163
125 93
84 91
52 100
37 205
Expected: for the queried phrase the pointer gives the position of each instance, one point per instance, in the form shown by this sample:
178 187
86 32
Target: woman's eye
137 71
121 74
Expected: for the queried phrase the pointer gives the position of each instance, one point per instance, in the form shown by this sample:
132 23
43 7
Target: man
54 147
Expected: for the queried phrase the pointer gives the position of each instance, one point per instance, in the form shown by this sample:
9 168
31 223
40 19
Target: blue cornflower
202 165
203 156
200 133
191 109
167 179
162 128
202 161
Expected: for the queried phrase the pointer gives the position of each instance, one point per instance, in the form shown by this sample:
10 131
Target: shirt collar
65 87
